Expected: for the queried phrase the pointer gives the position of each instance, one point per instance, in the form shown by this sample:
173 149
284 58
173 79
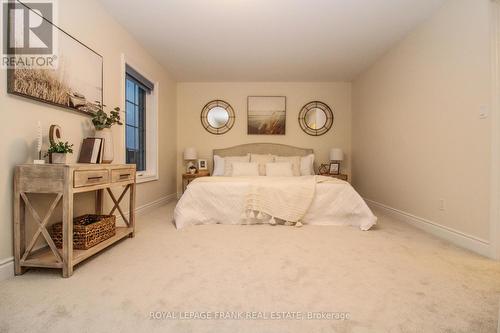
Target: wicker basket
88 230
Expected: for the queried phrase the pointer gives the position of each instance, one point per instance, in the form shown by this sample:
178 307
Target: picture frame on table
202 164
334 168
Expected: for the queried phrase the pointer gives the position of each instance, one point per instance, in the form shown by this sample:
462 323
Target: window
140 124
135 109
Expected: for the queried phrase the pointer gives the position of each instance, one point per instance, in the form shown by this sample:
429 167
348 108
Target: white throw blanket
285 198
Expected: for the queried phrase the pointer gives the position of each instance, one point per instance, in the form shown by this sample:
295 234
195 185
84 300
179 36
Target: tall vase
107 135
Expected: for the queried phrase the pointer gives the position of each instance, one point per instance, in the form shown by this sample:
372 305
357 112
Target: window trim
152 159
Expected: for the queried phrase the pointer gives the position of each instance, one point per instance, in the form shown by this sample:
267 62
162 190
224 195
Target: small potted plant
102 123
57 152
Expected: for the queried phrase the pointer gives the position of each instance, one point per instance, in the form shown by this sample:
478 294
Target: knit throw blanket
284 198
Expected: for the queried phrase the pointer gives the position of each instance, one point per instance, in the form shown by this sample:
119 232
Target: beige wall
417 136
88 22
191 97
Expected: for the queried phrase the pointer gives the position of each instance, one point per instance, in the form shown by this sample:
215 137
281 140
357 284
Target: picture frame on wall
73 81
202 164
266 115
334 168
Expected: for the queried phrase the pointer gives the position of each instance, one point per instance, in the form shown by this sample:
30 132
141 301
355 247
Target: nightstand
189 177
341 176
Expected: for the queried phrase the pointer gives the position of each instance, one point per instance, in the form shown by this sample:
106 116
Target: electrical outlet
442 204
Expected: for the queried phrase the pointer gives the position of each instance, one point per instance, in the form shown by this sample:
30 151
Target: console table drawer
90 177
121 175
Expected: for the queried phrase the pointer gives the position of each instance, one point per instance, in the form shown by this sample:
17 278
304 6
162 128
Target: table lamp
336 156
190 155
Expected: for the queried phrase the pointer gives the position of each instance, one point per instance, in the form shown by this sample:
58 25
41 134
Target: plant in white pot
58 151
102 123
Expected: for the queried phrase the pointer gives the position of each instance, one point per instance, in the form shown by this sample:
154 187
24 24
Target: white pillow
228 163
307 165
245 169
294 160
262 160
218 166
279 169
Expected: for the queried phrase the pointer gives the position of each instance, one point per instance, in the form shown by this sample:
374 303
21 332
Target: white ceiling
268 40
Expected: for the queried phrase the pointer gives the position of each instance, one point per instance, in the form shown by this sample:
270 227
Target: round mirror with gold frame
217 117
316 118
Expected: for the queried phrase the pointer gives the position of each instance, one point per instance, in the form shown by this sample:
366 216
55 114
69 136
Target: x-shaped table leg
117 203
42 227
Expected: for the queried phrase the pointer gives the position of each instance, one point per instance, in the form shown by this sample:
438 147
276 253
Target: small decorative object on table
102 123
58 151
39 143
55 134
324 169
88 231
202 164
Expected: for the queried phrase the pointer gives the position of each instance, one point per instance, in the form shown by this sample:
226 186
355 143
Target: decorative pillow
245 169
279 169
218 166
262 160
307 165
228 163
294 160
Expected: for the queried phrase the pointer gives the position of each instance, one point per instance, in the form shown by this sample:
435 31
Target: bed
300 200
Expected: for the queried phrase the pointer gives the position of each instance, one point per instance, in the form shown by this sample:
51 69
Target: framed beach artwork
74 81
266 115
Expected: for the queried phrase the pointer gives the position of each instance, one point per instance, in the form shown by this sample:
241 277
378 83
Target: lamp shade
190 154
336 154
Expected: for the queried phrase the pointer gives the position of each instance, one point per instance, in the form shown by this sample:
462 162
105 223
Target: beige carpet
391 279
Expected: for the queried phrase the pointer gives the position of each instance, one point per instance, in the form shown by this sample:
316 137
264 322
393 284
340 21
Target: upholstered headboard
263 148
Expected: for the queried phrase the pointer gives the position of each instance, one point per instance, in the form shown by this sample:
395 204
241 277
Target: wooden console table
64 180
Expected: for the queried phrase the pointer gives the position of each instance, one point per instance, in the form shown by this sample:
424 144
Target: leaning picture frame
334 168
202 164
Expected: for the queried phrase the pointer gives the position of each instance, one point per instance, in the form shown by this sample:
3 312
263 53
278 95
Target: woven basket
88 230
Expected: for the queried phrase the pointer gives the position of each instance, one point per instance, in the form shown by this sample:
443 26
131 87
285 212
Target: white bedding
223 200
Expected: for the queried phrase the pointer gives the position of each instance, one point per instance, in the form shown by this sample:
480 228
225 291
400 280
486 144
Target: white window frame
151 172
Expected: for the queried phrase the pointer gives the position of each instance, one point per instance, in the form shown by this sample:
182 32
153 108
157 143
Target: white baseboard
141 210
6 268
456 237
7 264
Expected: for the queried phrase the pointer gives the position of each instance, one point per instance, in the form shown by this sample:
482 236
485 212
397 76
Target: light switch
483 112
